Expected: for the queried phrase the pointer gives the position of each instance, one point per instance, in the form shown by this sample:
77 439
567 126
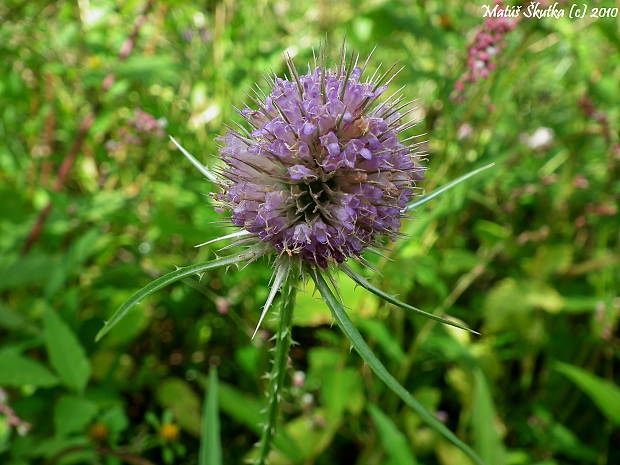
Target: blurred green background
527 253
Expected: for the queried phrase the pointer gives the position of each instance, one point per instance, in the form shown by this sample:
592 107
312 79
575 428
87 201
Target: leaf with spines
359 279
159 283
358 343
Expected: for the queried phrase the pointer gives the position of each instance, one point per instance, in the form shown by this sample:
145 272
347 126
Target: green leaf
604 394
65 353
510 303
359 279
393 440
177 394
487 440
27 271
72 414
164 281
210 445
338 386
116 420
148 69
377 330
240 406
421 201
17 370
377 367
247 411
15 321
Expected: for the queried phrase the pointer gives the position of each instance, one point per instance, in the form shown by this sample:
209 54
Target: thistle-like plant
317 177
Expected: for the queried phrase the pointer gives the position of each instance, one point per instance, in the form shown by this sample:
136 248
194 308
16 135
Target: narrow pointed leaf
280 275
359 279
210 444
416 203
239 233
487 440
394 441
358 343
202 168
603 393
164 281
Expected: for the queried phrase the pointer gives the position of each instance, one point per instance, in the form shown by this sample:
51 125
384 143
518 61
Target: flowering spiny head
321 174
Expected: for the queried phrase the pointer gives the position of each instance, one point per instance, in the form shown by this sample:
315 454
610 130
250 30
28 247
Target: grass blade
487 440
210 445
394 441
164 281
416 203
359 279
604 394
358 343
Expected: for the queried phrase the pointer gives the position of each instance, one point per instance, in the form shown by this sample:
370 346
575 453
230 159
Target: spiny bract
321 174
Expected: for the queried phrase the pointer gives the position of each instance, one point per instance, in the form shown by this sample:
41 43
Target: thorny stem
277 376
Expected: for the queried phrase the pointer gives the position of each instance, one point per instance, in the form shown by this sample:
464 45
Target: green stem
278 373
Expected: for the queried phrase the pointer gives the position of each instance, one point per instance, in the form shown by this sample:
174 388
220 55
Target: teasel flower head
320 175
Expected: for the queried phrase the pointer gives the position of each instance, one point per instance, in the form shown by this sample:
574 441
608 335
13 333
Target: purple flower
321 174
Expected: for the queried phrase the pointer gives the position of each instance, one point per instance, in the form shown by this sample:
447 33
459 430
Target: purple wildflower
487 45
321 174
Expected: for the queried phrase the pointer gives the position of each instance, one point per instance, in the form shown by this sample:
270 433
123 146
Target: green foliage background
527 253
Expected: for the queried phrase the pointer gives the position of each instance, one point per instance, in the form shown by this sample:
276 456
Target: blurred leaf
132 324
149 68
14 321
177 395
210 445
116 420
377 330
489 233
247 411
103 204
65 352
239 406
449 454
487 440
393 440
248 358
548 260
582 304
51 447
604 394
17 370
72 414
459 260
339 386
77 253
561 440
28 270
509 303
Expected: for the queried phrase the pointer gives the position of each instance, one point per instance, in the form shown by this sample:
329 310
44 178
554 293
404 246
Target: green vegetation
97 202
